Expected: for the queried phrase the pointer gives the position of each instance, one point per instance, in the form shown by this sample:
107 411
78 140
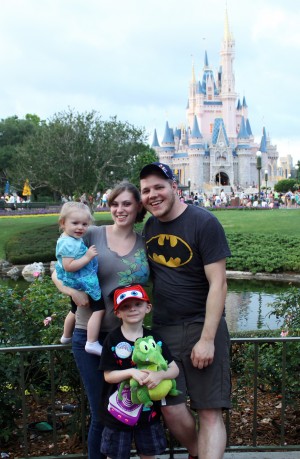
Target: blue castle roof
248 127
169 135
263 142
155 142
195 130
243 134
219 125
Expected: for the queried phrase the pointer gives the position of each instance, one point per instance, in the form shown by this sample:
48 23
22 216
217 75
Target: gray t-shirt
113 270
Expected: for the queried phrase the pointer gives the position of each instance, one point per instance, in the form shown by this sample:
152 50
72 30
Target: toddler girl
77 267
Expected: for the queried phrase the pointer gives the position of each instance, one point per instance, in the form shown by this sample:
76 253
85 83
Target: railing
28 205
77 414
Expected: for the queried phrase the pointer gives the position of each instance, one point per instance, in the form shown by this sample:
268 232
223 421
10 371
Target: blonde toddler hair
69 207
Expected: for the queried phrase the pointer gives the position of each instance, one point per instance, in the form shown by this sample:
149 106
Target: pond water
247 302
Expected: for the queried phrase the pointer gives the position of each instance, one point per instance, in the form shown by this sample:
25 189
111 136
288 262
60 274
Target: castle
217 147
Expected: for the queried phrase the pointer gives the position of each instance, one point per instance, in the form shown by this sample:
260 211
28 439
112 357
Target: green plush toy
147 355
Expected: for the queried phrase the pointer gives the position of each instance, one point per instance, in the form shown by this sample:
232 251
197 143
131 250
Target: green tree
76 153
283 186
145 156
13 132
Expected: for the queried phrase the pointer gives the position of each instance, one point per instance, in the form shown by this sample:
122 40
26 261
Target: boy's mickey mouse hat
130 291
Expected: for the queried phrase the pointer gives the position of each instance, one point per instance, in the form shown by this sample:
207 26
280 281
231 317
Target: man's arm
203 352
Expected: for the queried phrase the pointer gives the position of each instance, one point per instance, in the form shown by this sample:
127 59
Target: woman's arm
79 297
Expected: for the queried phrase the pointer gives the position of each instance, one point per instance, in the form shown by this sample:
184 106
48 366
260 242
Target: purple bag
124 410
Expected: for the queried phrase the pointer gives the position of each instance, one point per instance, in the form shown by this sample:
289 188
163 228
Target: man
187 252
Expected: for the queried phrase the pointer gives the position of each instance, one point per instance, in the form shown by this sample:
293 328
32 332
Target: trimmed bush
36 246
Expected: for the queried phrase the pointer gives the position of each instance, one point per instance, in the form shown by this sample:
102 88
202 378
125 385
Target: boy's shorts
149 440
210 387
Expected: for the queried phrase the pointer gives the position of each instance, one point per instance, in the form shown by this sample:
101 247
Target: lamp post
258 167
189 185
266 180
297 172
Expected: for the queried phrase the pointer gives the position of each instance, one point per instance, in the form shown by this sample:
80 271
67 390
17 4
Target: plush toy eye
152 343
144 347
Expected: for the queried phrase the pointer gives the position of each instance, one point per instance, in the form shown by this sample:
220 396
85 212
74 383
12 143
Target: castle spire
195 130
169 135
206 60
227 33
155 142
193 72
228 93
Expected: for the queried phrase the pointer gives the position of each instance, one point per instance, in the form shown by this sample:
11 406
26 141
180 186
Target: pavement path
245 455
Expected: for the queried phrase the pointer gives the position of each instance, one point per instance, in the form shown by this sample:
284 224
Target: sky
133 59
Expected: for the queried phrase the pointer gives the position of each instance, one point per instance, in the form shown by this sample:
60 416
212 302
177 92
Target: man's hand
203 353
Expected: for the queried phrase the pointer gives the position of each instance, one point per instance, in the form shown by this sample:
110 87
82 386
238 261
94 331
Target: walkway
251 455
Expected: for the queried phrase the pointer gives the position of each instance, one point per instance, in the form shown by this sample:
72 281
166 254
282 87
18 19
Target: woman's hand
80 298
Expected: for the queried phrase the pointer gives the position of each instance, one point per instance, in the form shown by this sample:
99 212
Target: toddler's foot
65 340
93 348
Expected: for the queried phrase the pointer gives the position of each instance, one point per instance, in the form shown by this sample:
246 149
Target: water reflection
20 283
247 304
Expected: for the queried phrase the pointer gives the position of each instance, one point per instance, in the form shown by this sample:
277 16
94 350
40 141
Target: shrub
257 253
22 323
30 246
287 307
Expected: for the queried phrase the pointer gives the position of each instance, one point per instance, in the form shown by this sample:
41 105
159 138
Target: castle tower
217 146
196 155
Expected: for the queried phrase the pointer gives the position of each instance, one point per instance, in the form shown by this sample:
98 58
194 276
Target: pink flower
47 321
284 333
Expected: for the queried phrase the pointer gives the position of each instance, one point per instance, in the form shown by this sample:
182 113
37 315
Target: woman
122 260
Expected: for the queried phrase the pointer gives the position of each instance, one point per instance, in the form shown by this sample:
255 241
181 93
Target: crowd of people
12 199
187 266
268 199
94 202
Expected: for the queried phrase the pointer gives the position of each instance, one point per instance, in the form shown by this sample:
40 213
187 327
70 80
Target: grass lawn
279 221
282 221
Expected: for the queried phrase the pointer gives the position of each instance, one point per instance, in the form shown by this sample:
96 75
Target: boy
131 304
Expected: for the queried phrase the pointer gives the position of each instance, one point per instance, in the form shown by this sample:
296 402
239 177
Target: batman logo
169 250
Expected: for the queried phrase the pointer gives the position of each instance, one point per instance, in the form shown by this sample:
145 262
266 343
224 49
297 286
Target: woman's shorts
207 388
149 441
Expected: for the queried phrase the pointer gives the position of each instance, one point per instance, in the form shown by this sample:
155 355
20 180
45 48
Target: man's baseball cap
163 169
130 291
